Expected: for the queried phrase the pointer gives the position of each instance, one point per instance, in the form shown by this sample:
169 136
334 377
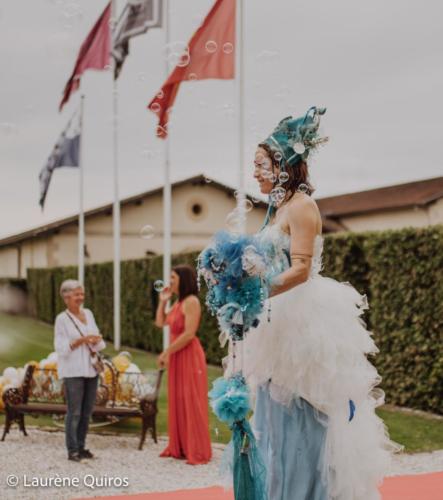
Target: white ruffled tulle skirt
314 346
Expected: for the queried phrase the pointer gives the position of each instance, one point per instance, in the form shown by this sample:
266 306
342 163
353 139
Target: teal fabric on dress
292 441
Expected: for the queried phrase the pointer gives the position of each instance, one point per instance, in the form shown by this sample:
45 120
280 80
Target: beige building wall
436 212
9 262
197 213
395 219
34 253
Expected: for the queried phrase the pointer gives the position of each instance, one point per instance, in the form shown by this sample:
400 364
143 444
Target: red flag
211 55
94 53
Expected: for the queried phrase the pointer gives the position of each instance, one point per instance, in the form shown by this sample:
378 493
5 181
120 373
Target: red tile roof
411 194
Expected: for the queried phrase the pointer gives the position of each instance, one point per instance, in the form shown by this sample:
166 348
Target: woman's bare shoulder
191 301
302 205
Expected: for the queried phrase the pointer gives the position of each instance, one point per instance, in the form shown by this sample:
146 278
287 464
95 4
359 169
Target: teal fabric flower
230 399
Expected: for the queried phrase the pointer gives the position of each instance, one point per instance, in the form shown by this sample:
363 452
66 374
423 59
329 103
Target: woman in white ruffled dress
307 360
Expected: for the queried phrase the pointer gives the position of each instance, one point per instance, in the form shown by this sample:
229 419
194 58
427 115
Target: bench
119 395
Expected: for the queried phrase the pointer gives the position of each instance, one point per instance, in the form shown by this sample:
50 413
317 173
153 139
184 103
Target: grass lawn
25 339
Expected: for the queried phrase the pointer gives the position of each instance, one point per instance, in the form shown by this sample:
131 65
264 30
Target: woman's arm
96 342
302 220
160 315
192 313
62 345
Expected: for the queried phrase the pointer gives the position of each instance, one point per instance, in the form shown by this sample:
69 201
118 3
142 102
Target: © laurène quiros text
88 481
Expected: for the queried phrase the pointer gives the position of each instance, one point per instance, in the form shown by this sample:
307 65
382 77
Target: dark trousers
80 395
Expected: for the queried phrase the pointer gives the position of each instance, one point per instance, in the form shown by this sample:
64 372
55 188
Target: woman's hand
163 359
93 339
165 294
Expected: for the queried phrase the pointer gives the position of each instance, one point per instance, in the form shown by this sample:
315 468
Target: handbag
96 358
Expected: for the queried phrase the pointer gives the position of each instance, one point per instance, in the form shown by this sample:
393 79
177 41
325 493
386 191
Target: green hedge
401 272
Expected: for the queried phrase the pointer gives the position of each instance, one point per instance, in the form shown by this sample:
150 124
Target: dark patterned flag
66 153
136 18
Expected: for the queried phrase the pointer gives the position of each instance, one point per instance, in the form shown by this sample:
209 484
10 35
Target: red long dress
188 423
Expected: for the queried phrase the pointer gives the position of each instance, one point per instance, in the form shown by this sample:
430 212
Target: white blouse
75 362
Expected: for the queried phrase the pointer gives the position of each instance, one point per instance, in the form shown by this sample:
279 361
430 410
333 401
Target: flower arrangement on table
131 386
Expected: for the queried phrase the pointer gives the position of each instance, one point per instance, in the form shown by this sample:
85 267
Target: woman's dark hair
188 281
298 174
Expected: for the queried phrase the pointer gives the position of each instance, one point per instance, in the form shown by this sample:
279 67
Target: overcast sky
376 66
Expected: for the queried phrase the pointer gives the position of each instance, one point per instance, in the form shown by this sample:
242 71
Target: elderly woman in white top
76 339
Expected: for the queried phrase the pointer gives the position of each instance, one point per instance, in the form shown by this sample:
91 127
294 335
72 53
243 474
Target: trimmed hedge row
401 272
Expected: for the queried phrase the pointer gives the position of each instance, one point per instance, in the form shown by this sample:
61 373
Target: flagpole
166 190
81 216
116 204
239 78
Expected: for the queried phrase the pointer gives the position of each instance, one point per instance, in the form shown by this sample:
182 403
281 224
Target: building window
197 209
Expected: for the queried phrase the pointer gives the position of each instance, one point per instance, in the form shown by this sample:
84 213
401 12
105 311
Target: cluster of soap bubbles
267 56
211 46
70 13
236 220
227 109
277 195
177 54
149 154
8 128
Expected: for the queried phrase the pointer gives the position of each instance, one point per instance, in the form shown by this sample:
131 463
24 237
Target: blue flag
66 153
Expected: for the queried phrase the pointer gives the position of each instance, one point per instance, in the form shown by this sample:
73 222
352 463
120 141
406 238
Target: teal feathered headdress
294 138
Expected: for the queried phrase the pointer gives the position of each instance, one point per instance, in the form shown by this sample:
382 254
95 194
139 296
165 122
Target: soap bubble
192 77
211 46
277 195
148 153
72 10
299 147
184 60
267 56
8 128
277 156
303 188
272 177
248 206
235 221
227 109
228 48
160 131
160 94
155 107
208 180
159 286
147 232
177 54
283 177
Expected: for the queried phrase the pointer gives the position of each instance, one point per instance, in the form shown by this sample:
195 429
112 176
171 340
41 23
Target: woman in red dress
188 424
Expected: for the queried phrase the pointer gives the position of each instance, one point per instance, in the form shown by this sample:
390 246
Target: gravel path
42 455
